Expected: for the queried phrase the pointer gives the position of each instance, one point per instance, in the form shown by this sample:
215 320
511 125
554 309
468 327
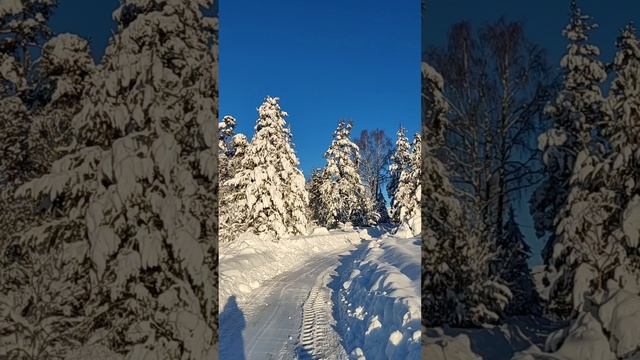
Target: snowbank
613 333
444 347
378 300
249 261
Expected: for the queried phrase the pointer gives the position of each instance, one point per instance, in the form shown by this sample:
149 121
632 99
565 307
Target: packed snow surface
377 299
249 261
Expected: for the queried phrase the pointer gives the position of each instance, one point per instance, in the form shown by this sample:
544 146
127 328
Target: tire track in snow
318 339
274 311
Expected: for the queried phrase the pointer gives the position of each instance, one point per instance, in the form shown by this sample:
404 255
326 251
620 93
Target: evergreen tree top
513 232
579 25
402 136
271 116
628 46
226 127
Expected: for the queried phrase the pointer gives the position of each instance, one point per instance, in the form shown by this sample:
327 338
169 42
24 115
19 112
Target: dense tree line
485 99
109 176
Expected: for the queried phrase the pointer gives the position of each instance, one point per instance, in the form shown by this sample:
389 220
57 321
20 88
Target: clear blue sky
89 19
326 60
543 21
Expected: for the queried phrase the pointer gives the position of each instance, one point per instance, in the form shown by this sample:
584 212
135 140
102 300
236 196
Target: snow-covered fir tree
274 199
136 192
399 161
233 197
24 27
343 197
66 65
457 287
226 131
406 204
314 186
623 135
576 113
598 229
32 272
513 254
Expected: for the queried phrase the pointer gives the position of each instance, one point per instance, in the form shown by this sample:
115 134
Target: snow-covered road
325 296
269 323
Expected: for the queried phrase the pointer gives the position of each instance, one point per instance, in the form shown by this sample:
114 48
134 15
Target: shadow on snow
232 323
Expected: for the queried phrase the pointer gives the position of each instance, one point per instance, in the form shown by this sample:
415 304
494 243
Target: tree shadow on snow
516 334
345 264
303 354
232 323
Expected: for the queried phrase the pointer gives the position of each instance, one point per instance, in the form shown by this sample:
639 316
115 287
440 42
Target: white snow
448 348
614 333
620 316
250 260
384 293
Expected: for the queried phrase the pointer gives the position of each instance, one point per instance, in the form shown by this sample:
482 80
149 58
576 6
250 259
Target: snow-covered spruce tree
24 27
598 230
514 252
623 135
406 205
314 185
226 129
457 287
33 272
343 197
399 161
233 197
575 113
136 194
67 66
276 198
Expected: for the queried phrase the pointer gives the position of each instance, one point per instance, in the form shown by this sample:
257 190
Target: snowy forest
264 192
499 124
322 267
108 182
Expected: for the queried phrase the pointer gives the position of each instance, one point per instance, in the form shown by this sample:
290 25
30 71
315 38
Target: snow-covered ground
249 261
377 299
500 342
323 296
610 331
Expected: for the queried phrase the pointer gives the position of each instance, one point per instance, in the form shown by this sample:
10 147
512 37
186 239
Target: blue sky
543 21
326 60
89 19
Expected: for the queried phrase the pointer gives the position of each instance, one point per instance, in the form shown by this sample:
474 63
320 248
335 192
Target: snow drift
249 261
378 300
611 332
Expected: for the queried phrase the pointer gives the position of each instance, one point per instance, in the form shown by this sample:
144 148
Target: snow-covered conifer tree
623 135
135 196
24 26
276 198
406 205
598 229
233 211
226 129
314 190
343 196
576 113
66 65
513 254
399 161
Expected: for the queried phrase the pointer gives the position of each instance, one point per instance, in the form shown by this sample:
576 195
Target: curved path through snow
269 323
